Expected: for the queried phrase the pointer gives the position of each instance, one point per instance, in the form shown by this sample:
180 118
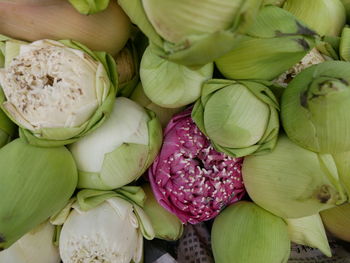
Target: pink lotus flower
189 177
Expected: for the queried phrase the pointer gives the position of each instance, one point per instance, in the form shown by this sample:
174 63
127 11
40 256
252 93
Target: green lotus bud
326 17
165 224
181 87
34 247
272 45
314 108
178 37
35 183
291 181
7 129
119 151
337 221
246 233
309 231
56 91
240 118
164 114
87 7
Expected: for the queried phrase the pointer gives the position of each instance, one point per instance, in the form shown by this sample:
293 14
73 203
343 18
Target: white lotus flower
56 91
49 85
109 232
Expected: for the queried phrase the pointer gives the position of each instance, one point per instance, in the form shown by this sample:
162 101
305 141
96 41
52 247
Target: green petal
171 85
88 7
8 129
258 58
195 50
343 167
166 225
89 199
272 45
309 231
344 47
120 167
145 223
155 139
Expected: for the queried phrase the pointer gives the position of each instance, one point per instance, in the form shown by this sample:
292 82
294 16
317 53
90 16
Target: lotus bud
337 221
273 44
34 247
88 7
164 114
181 87
35 184
246 233
7 129
121 150
314 107
309 231
179 38
189 177
326 17
314 57
31 20
105 226
239 117
293 182
56 91
166 225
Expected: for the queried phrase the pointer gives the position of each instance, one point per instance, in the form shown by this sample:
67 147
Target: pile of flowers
126 120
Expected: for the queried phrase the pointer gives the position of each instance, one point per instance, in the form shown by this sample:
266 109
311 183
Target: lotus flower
56 91
104 226
191 179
